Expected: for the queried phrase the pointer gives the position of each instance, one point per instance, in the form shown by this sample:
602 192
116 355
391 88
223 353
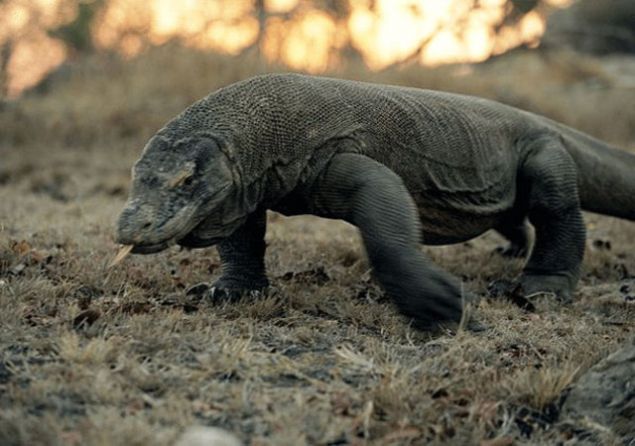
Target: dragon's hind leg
548 180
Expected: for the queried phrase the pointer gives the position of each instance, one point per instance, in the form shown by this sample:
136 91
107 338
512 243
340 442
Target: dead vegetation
92 355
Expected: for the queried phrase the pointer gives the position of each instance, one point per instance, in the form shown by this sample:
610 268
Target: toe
199 289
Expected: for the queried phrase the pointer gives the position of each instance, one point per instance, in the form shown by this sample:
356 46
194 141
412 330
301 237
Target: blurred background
313 35
41 37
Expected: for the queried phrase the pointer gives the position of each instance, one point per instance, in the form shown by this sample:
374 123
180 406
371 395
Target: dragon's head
175 186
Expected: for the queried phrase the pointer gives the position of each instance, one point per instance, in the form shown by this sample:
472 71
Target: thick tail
606 174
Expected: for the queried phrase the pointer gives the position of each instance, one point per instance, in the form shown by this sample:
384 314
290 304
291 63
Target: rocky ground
91 355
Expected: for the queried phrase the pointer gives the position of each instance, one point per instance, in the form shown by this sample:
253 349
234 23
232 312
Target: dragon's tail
606 175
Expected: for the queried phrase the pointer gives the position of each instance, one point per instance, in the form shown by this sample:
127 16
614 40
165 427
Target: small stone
207 436
18 269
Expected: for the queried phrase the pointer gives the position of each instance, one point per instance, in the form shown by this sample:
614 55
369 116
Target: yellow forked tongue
123 252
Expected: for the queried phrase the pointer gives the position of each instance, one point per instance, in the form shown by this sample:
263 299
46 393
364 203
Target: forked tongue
122 254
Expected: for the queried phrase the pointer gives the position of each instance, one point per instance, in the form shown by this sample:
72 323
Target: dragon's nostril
147 225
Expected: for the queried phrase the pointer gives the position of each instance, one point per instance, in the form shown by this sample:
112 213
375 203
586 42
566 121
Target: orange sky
390 32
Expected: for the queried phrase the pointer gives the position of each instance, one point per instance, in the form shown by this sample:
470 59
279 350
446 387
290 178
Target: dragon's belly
448 224
449 232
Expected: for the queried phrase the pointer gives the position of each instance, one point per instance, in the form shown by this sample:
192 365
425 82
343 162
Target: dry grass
94 356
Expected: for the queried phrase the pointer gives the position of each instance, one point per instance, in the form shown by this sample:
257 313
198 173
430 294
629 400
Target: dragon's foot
559 285
529 286
230 289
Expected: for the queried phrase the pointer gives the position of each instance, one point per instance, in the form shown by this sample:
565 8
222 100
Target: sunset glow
296 34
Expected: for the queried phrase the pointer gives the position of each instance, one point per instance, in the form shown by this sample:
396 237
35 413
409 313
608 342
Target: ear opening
206 149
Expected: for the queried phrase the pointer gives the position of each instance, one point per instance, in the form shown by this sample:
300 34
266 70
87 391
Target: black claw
199 290
214 293
218 294
225 290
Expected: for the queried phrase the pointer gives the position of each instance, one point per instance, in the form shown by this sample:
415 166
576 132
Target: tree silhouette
77 34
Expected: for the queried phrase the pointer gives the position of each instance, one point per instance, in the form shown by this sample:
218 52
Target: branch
6 50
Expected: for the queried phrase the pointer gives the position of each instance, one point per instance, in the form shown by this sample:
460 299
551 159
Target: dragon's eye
182 178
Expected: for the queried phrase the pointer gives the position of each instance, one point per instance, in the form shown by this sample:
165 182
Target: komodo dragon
404 165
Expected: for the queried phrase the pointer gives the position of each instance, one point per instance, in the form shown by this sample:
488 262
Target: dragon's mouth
176 235
152 248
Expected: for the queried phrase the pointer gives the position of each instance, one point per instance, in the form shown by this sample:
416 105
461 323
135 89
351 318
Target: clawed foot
528 286
469 322
229 289
439 303
559 285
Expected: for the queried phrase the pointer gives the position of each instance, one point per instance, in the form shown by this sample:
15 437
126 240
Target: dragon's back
437 141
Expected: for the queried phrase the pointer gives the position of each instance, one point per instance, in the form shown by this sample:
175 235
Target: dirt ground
98 356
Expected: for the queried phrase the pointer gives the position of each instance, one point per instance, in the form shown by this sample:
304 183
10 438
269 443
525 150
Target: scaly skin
404 165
